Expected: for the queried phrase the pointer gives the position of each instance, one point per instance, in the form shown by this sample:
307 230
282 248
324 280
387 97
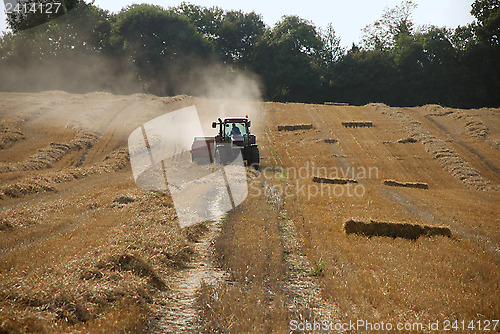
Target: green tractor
234 137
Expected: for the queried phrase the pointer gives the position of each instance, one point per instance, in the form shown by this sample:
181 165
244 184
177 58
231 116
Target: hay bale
418 185
357 124
333 181
295 127
436 230
394 230
407 140
331 141
338 104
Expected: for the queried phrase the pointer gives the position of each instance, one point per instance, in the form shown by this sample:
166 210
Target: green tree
487 14
57 54
83 29
382 34
463 37
440 66
409 62
332 50
238 35
288 59
32 13
234 34
163 46
478 68
206 20
361 77
482 10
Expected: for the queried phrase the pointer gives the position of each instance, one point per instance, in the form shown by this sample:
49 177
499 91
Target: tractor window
232 129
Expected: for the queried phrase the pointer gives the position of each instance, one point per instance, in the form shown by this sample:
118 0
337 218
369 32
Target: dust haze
77 68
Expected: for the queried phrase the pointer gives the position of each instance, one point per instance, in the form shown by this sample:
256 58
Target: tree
32 13
409 61
238 36
440 65
362 77
382 34
79 31
288 60
64 53
163 46
206 20
463 37
332 51
163 50
233 34
483 9
487 14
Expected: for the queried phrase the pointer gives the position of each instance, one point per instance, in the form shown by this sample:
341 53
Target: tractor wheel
254 159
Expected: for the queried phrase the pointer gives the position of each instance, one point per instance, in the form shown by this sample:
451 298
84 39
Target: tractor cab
234 130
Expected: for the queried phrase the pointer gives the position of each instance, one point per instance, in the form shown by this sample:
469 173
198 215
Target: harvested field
394 230
441 150
54 152
47 182
320 236
418 185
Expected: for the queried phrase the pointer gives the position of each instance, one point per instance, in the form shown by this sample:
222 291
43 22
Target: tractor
234 137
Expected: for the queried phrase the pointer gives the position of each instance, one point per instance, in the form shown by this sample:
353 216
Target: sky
347 16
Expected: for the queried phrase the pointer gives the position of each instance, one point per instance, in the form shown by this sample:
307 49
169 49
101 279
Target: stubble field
82 248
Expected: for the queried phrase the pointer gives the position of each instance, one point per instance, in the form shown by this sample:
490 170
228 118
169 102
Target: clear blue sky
348 16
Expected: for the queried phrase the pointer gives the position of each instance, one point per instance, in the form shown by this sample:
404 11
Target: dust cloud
63 57
108 98
213 87
225 93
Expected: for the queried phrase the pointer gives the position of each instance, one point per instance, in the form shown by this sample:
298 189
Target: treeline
163 51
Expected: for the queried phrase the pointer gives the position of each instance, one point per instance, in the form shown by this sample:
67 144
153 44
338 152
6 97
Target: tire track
176 309
301 289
